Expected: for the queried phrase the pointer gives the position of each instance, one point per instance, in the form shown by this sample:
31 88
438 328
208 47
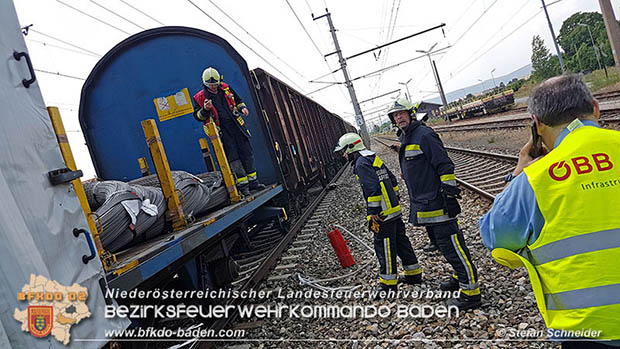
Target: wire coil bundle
130 213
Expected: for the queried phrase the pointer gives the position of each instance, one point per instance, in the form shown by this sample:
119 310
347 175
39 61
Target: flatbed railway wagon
125 88
135 107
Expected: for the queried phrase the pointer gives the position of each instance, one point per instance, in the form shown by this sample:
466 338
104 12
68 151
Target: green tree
576 43
544 65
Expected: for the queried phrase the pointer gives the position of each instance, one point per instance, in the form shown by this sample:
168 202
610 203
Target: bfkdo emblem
40 320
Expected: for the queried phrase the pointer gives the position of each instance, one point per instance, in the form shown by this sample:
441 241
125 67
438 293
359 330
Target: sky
68 37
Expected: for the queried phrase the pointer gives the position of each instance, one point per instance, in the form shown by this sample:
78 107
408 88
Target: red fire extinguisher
340 246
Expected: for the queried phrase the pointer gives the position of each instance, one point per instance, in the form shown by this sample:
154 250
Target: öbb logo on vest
560 171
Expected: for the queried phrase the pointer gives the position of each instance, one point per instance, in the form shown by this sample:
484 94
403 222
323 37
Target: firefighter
380 190
219 101
429 175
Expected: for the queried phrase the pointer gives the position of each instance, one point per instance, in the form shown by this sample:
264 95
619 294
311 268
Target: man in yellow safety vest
560 217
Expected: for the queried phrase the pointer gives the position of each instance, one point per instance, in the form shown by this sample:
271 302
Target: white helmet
350 142
210 76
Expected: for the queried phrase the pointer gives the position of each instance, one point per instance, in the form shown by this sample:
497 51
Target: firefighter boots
410 279
449 285
465 302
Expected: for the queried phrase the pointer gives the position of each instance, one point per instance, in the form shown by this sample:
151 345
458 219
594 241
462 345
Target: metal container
154 74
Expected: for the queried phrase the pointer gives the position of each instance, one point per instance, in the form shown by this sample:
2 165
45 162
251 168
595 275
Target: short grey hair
560 100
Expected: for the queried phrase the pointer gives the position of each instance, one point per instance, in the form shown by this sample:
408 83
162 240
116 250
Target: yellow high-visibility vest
574 265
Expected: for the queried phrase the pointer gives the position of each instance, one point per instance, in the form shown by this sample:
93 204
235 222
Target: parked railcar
304 133
152 75
488 104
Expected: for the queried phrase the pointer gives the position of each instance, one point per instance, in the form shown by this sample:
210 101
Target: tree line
585 46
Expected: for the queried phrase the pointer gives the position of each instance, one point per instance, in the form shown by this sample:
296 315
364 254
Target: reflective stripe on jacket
235 104
425 166
379 186
573 265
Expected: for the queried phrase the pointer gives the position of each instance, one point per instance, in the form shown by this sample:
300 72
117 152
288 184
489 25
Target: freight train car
489 104
304 133
152 75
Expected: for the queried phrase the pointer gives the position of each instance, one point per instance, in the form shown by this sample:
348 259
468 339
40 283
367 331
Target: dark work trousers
431 236
390 242
451 243
238 152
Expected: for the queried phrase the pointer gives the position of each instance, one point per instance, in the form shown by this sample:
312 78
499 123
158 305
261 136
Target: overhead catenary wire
389 36
246 45
331 70
469 7
495 45
258 41
93 17
62 48
458 39
142 12
117 15
495 34
59 74
64 42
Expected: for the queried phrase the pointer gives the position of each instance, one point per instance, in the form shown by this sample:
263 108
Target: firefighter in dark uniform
429 175
219 101
380 190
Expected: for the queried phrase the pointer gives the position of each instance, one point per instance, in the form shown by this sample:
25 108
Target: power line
460 37
390 35
59 74
494 35
304 28
65 42
397 40
117 15
244 44
142 12
258 41
497 43
462 16
475 22
396 65
315 45
62 48
93 17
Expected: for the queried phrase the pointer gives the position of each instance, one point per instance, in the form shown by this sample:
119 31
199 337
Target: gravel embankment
508 302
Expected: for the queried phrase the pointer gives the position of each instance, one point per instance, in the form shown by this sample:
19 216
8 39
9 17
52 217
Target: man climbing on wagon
219 101
380 190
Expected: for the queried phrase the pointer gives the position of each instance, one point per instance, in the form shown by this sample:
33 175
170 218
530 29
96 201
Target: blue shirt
515 220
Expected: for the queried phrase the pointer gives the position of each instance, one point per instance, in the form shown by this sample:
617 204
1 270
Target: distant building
426 107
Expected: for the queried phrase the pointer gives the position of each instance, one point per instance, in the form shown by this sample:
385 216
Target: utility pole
443 95
359 117
594 47
435 73
613 32
555 42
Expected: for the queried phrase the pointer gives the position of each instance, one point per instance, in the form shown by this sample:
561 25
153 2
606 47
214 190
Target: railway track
609 116
269 244
480 171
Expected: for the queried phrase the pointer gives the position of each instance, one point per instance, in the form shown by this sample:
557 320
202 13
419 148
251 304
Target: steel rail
482 192
607 117
262 271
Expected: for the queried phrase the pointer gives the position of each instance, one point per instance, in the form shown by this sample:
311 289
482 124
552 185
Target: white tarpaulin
36 218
